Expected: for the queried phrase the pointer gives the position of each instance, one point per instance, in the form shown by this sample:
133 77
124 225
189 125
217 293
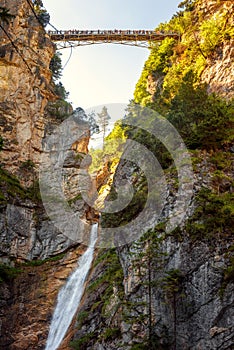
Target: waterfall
70 295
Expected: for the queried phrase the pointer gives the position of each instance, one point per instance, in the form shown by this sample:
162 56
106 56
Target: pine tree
103 121
5 16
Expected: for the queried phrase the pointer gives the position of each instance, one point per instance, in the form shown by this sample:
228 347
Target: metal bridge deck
142 38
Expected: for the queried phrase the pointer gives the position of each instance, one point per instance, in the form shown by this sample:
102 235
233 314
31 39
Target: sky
107 73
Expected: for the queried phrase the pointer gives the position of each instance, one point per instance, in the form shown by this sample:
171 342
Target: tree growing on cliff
56 66
188 5
147 258
80 115
5 16
172 283
42 15
1 143
103 121
56 69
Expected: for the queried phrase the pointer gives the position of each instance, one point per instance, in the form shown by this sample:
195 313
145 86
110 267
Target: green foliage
1 143
11 185
213 32
113 273
111 333
215 129
74 199
187 4
7 273
130 212
139 347
98 159
146 254
153 144
112 276
42 15
89 119
229 272
60 109
204 121
82 316
221 160
56 66
103 119
157 64
81 343
154 344
213 216
173 60
38 3
12 189
42 262
33 192
111 151
5 16
146 258
172 282
160 59
28 165
60 91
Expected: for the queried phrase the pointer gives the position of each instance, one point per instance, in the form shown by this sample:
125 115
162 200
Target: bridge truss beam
141 38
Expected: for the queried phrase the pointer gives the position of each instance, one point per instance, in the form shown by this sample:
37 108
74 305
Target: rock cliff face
167 292
217 71
172 291
182 297
29 112
24 85
27 303
219 68
26 232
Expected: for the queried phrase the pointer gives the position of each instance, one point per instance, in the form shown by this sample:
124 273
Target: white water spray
70 295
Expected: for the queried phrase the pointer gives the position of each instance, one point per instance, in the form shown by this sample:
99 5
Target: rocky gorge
166 290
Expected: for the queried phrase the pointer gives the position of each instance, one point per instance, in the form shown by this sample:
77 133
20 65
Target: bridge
141 38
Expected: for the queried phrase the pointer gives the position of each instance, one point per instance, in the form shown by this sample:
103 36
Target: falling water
70 295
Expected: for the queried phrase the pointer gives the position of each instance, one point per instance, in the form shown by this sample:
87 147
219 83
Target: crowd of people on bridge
109 32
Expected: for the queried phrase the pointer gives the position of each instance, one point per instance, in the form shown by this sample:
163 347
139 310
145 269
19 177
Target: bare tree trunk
175 316
150 302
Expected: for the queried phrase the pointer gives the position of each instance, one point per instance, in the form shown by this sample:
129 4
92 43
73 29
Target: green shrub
1 143
82 316
229 272
172 282
213 216
140 346
110 333
7 273
28 165
80 344
76 198
42 262
11 185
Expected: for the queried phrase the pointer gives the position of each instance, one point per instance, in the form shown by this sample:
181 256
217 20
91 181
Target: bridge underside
68 39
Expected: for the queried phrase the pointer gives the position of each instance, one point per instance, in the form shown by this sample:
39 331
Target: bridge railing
141 38
116 32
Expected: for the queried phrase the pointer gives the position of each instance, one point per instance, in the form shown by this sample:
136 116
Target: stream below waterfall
70 295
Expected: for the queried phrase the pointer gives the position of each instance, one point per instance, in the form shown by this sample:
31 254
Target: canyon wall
35 257
24 86
173 290
166 291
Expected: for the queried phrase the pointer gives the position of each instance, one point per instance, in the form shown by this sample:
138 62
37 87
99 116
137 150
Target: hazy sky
106 73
